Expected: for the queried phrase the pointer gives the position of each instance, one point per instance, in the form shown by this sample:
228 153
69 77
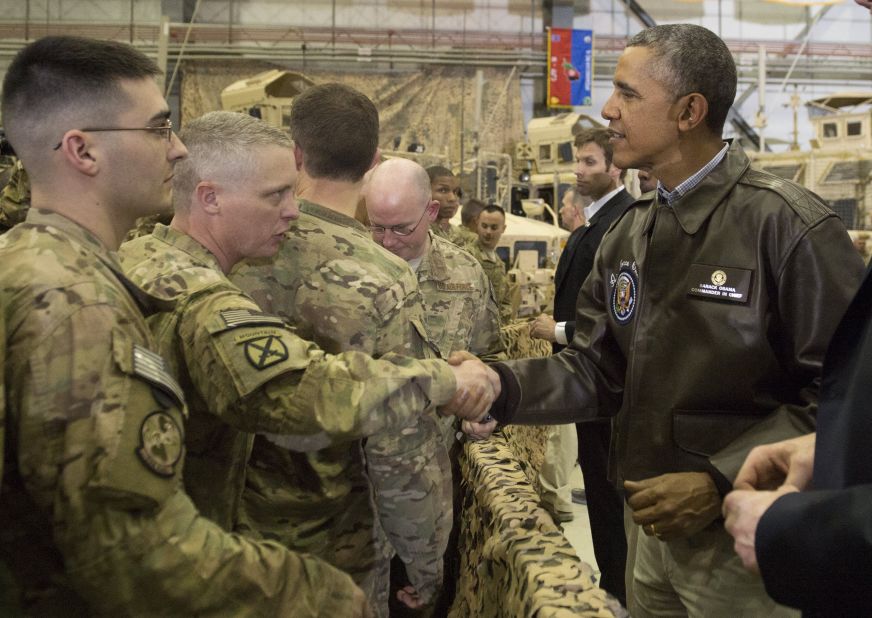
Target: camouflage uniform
495 270
463 237
458 235
145 225
341 290
245 371
15 199
93 520
460 312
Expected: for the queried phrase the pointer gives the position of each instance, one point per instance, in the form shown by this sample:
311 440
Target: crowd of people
252 408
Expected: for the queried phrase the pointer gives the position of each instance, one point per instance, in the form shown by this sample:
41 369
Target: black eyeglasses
399 230
166 129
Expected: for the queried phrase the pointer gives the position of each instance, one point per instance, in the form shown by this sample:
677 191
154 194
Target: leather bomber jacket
702 327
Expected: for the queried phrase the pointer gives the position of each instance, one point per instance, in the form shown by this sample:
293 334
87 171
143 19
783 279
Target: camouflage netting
423 106
515 562
516 338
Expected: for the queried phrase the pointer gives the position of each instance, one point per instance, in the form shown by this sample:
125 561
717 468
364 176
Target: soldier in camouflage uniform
243 370
460 311
92 518
15 198
491 225
146 225
445 189
469 213
344 292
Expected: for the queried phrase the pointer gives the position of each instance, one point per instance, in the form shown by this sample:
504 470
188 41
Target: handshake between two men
478 386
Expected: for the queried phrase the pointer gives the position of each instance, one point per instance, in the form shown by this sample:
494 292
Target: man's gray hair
690 58
220 146
577 199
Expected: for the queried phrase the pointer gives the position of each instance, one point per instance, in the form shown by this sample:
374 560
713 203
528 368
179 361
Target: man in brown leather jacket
702 326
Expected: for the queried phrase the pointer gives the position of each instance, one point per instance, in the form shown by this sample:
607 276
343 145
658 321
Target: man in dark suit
598 179
801 510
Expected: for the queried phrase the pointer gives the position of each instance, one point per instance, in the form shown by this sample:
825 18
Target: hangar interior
460 82
463 77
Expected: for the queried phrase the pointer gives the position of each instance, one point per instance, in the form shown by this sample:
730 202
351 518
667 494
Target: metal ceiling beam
641 14
752 88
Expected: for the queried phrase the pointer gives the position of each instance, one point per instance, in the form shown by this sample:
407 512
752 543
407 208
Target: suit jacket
576 261
814 548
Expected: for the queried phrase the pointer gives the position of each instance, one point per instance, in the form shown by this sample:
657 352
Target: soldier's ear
298 157
207 197
79 151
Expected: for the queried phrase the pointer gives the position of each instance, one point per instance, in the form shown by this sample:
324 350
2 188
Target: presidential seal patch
719 277
160 443
263 352
624 289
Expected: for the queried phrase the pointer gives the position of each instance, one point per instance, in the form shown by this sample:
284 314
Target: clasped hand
543 327
477 387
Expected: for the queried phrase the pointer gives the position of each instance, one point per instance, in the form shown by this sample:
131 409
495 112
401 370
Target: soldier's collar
186 243
434 265
322 212
75 233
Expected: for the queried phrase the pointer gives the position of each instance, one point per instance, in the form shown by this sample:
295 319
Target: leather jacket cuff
504 407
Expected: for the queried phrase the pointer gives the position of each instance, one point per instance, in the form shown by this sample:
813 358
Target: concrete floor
577 531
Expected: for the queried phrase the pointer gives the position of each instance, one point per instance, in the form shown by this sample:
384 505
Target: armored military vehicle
838 164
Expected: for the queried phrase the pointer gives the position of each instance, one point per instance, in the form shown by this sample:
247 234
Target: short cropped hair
471 210
220 146
337 129
495 208
600 137
439 171
60 83
690 58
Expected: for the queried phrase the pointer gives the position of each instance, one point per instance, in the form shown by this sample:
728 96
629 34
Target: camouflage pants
347 535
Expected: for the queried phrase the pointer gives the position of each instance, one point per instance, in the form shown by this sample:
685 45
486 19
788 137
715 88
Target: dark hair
690 58
598 136
337 129
471 210
439 171
59 73
494 208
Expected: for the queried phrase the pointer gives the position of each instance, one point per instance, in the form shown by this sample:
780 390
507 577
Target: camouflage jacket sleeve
504 290
258 376
496 273
100 447
486 341
14 199
410 470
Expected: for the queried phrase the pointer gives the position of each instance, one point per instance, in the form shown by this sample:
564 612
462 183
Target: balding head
399 181
397 198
